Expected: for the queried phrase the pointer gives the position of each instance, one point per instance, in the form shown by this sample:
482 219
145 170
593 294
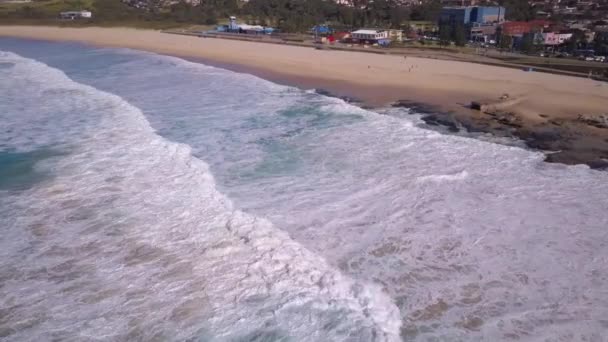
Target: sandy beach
539 102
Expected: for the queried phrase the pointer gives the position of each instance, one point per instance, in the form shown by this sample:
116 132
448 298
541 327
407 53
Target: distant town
546 28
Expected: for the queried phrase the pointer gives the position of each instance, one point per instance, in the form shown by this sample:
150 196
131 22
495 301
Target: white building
370 34
71 15
551 38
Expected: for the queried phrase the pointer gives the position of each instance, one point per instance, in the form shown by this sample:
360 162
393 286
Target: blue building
321 30
487 14
472 15
455 15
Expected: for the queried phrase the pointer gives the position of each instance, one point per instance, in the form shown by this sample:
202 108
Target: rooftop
369 31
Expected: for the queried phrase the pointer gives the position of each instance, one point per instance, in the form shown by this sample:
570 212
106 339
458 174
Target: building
455 15
487 14
149 5
472 15
519 28
371 36
72 15
552 38
395 35
321 30
484 33
422 27
234 27
458 3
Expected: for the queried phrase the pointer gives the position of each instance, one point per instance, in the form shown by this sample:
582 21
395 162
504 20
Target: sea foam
470 240
131 240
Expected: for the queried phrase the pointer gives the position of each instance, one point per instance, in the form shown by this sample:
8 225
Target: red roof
512 28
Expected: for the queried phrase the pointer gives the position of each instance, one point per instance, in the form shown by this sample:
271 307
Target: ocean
146 197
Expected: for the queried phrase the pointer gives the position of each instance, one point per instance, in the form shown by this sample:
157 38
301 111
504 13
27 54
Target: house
371 36
395 35
235 27
72 15
422 27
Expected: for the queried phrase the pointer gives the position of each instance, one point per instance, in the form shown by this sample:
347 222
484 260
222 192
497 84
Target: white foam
473 240
514 250
441 178
131 241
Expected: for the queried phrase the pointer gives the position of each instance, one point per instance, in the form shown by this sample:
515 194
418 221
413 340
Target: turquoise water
195 203
18 169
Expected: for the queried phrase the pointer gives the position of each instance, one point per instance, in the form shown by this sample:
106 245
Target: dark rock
349 99
599 164
476 105
508 119
415 107
555 122
324 92
599 121
441 120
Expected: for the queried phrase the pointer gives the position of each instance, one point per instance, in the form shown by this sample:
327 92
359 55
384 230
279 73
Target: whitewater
145 197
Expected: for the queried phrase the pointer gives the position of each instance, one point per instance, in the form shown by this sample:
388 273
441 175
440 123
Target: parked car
600 58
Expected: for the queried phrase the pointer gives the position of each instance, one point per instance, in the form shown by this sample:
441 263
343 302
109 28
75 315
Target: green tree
428 10
571 45
29 13
183 12
527 43
601 49
518 10
459 35
445 34
397 16
506 42
112 10
576 41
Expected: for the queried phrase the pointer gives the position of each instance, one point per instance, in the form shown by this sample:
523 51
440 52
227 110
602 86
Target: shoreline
421 52
546 115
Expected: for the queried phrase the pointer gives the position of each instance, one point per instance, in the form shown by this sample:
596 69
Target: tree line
287 15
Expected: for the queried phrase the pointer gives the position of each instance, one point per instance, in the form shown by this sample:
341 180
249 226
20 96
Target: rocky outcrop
597 120
493 106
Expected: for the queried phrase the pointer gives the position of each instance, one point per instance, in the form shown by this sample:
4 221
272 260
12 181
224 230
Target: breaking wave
133 241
